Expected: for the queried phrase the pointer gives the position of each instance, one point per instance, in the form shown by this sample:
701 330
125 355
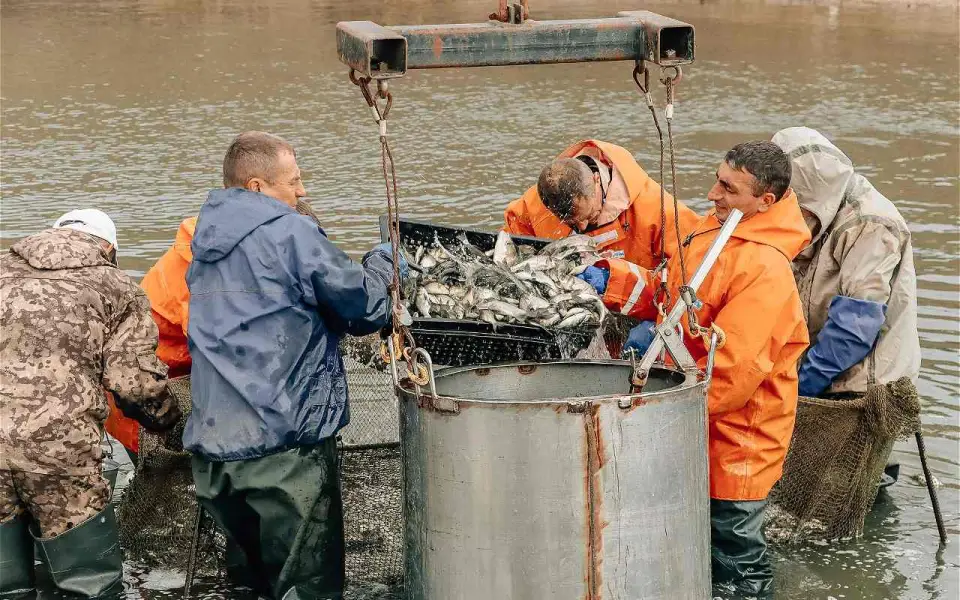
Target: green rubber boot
86 560
16 558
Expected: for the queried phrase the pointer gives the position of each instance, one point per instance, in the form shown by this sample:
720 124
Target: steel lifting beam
385 52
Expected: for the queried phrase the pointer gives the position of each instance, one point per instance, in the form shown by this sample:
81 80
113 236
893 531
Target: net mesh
836 458
158 509
370 472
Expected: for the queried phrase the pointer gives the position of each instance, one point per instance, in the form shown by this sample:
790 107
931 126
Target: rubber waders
87 559
16 558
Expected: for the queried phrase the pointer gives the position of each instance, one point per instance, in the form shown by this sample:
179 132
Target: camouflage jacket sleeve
131 369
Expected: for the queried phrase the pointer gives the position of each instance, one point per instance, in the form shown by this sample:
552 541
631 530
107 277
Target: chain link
380 103
661 296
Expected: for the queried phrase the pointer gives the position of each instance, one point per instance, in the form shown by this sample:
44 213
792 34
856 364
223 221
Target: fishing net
370 471
157 513
158 510
836 458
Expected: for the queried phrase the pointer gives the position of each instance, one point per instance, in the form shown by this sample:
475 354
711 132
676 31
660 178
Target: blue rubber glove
596 277
846 339
387 249
639 338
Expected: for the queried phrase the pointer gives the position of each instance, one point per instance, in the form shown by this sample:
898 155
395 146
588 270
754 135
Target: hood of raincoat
822 174
61 248
214 241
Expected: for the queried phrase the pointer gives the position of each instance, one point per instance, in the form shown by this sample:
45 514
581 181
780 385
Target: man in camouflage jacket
73 325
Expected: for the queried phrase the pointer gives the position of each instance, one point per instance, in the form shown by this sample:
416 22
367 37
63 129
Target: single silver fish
488 317
572 283
427 262
539 262
422 302
574 243
550 321
499 307
504 250
435 288
573 319
532 302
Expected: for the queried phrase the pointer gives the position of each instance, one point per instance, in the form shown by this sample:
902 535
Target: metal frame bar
382 52
666 333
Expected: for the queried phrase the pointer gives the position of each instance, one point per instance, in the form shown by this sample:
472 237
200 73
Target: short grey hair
253 154
561 182
768 164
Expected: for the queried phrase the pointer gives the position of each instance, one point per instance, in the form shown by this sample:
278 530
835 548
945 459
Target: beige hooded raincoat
861 249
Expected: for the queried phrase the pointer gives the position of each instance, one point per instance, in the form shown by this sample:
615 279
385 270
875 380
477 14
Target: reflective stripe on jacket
632 213
751 295
861 249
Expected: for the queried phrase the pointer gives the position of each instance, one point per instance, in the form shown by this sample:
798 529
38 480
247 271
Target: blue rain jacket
270 298
846 338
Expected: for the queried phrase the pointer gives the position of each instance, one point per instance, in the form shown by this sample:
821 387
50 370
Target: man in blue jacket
270 298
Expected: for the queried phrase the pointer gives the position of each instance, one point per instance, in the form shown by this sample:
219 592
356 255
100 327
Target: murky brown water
129 105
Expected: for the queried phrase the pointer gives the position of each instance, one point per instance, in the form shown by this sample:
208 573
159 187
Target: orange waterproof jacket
632 212
751 295
166 287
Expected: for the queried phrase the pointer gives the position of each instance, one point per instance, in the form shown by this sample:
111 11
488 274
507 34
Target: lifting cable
417 373
661 297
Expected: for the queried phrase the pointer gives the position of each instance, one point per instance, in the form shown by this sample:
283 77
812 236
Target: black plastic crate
460 343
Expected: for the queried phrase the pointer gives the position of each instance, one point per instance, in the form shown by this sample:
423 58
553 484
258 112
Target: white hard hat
92 221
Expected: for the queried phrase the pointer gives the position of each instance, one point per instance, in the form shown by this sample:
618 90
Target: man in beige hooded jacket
856 278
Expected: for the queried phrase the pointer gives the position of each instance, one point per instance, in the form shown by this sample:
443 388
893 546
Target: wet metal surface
128 105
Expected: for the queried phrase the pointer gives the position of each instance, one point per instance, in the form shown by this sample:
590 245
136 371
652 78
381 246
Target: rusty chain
661 296
380 104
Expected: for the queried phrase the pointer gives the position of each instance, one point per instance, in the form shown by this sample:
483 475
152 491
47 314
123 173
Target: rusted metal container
553 481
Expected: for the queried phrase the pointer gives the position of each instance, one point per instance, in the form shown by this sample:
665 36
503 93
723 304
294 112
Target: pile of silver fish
511 283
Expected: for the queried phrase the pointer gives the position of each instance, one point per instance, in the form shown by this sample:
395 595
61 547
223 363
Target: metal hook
677 75
638 378
427 371
353 77
638 69
391 349
711 354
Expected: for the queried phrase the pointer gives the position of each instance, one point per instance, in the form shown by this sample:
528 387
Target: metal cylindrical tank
552 481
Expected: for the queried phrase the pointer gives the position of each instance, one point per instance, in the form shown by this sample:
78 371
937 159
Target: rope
686 292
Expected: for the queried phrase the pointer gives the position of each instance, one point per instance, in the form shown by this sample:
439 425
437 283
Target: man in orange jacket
166 287
598 189
750 294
